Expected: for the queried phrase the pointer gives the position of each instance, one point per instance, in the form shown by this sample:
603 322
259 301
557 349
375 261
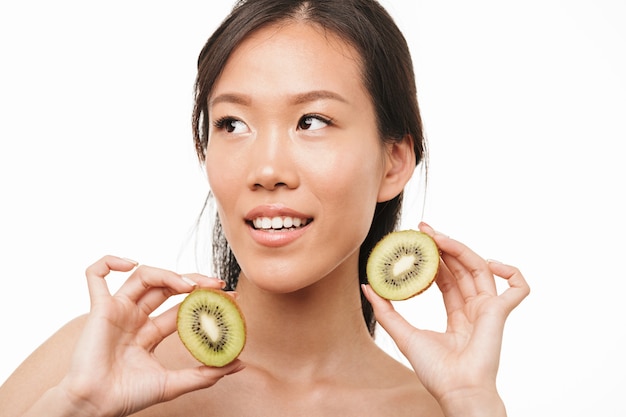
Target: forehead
293 57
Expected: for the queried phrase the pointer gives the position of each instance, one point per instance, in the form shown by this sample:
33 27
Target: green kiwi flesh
211 326
403 264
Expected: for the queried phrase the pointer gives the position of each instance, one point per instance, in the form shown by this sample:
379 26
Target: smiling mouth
279 223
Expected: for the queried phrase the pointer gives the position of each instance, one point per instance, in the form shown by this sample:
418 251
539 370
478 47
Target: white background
524 106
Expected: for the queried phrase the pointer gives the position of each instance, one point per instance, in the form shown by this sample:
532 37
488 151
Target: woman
305 112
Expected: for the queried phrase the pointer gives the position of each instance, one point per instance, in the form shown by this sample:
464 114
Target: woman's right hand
114 371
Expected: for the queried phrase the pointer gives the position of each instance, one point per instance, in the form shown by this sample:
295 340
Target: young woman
306 112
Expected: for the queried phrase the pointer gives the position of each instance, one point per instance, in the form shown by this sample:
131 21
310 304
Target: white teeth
277 223
287 222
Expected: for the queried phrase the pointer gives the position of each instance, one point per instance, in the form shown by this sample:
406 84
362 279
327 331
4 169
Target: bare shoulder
44 368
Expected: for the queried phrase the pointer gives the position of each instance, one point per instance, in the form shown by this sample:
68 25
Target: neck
308 332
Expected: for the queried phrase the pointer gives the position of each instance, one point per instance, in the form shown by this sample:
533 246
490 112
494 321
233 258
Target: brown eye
230 125
313 122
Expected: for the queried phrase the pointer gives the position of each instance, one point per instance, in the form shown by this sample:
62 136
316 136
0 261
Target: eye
313 122
230 125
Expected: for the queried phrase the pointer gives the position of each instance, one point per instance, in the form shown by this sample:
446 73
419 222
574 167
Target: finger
96 273
145 278
518 287
233 294
446 282
203 281
463 277
471 270
156 296
398 328
187 380
165 324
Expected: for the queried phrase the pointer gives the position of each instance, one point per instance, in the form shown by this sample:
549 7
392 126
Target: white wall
524 106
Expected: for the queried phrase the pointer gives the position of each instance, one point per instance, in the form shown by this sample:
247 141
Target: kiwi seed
403 264
211 326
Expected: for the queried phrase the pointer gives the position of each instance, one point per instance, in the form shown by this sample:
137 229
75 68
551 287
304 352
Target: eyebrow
230 98
302 98
318 95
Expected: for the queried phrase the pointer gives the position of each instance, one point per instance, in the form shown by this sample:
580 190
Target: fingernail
426 225
435 232
240 367
493 261
221 282
189 281
365 290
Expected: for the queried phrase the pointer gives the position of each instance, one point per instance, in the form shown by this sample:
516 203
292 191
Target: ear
399 167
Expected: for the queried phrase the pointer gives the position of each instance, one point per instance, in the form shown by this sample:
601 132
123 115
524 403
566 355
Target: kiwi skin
199 350
428 254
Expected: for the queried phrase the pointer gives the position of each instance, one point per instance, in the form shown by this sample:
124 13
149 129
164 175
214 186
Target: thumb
191 379
400 330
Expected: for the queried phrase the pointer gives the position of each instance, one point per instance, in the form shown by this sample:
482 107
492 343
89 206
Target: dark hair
387 75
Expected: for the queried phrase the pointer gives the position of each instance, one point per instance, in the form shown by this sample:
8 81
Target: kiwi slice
403 264
211 326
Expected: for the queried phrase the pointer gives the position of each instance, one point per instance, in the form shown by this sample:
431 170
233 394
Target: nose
272 162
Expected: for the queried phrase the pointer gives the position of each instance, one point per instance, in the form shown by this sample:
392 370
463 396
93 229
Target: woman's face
294 158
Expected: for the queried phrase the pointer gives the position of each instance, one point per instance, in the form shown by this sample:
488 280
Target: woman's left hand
459 367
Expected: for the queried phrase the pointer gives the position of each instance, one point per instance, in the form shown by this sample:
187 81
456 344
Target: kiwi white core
403 265
210 327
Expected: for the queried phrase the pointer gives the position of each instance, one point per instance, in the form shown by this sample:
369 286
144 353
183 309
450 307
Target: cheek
224 179
213 170
222 173
347 188
349 175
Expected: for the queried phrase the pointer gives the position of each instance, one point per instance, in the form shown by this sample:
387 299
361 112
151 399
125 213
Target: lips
276 225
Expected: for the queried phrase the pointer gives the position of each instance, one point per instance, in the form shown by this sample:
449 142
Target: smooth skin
294 133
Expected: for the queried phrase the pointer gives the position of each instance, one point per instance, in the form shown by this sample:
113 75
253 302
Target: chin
278 282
